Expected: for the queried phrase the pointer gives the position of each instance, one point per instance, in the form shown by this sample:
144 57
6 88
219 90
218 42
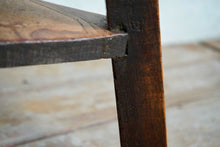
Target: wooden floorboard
74 100
197 125
214 44
63 105
186 54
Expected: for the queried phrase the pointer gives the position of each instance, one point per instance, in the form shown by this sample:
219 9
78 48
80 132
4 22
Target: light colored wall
189 20
181 20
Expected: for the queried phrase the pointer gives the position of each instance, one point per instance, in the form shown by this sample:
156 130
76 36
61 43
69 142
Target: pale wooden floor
73 105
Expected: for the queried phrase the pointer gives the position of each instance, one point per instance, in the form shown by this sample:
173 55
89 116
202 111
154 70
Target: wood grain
21 54
191 75
28 20
138 76
34 32
91 18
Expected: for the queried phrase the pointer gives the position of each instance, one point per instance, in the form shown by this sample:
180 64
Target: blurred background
73 104
181 21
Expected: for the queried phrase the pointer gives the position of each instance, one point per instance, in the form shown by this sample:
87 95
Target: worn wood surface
35 32
200 128
33 20
56 98
62 51
194 72
138 76
96 20
82 109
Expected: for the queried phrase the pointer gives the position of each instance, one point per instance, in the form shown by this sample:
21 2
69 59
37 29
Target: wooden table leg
138 76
